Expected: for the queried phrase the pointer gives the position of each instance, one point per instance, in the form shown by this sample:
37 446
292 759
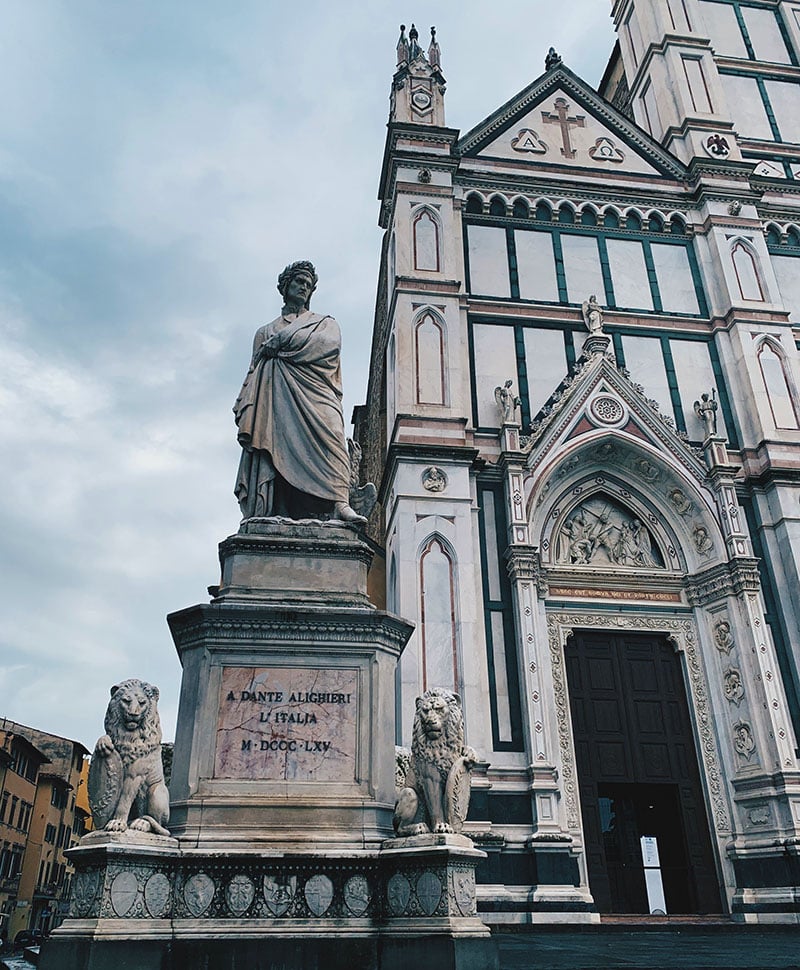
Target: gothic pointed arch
781 394
430 346
427 239
438 623
746 265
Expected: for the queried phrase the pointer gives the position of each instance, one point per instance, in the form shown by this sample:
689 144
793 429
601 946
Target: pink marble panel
287 724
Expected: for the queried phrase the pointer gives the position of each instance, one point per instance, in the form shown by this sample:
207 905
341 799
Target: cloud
160 164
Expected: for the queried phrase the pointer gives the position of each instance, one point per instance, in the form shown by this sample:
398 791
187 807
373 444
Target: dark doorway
638 776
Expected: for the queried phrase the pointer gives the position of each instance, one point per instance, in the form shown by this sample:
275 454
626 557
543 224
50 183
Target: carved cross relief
566 123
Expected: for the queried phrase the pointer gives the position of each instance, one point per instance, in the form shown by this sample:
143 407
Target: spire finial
414 50
402 47
552 60
434 54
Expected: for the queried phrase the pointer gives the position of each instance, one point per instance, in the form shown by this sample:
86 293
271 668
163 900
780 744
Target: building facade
584 413
44 810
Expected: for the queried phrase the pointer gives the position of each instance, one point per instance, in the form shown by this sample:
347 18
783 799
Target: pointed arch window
439 645
391 386
426 241
429 346
746 266
776 382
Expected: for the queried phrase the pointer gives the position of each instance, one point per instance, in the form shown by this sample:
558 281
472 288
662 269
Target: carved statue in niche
433 781
294 461
126 776
601 532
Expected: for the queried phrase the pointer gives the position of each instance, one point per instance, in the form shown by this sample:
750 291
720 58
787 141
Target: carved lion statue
433 782
126 776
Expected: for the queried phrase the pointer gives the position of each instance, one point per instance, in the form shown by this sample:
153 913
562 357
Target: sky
160 163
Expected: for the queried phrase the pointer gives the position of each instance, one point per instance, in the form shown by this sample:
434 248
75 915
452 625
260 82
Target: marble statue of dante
289 413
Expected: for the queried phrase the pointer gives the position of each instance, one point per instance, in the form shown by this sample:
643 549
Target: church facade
584 415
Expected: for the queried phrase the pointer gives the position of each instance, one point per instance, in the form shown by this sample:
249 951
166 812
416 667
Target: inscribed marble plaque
287 724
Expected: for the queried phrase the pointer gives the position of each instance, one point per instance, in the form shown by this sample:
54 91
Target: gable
560 131
559 120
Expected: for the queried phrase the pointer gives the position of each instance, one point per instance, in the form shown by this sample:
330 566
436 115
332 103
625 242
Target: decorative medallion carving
198 892
398 894
702 540
607 410
357 895
429 892
723 638
434 479
85 887
682 505
527 140
124 890
732 683
759 814
743 740
605 150
239 894
318 892
157 893
279 893
464 892
717 146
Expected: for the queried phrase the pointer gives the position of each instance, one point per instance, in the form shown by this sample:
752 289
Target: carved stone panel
157 893
279 893
318 892
239 894
600 531
357 895
198 892
287 724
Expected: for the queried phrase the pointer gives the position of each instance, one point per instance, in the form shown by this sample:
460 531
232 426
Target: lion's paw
104 746
116 825
442 828
141 825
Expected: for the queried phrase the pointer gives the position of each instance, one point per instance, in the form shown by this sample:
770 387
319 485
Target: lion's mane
143 739
443 751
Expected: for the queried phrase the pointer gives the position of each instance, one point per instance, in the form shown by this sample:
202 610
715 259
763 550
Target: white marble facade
604 506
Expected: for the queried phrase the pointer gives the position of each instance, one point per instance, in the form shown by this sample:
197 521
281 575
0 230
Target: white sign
652 875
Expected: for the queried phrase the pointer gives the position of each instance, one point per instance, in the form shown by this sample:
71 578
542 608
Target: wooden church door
638 776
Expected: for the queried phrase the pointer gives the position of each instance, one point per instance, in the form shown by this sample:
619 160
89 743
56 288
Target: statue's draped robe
289 415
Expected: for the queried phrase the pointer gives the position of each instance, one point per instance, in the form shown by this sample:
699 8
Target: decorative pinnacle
402 46
434 54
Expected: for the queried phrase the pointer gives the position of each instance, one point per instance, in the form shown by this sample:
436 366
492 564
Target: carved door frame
682 633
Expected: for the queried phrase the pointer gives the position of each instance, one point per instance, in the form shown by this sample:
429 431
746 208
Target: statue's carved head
439 714
131 703
302 268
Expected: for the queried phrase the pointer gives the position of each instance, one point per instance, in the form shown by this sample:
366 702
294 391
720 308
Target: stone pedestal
282 790
286 719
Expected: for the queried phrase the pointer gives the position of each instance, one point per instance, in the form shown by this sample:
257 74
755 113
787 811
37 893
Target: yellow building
46 811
